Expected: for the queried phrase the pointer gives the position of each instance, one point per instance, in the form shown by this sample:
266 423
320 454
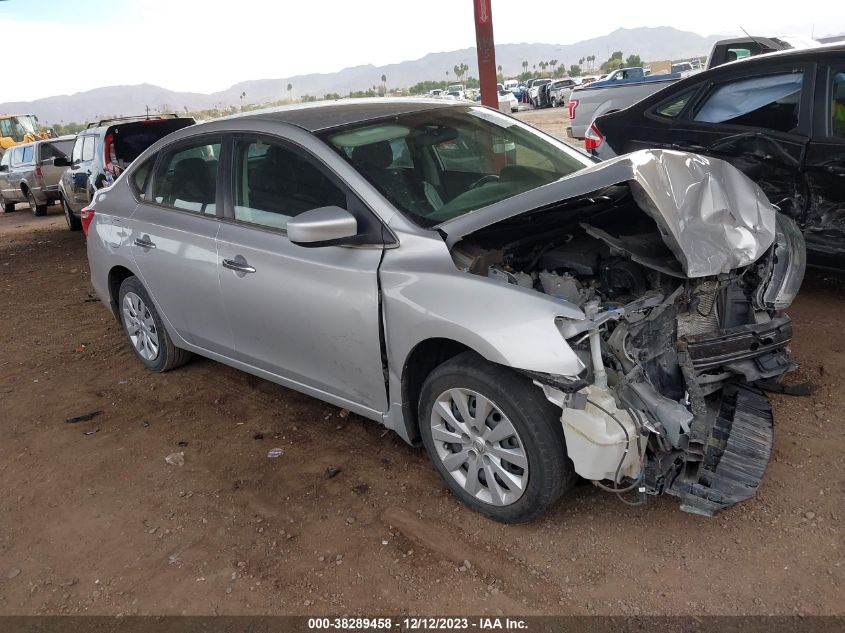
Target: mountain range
650 43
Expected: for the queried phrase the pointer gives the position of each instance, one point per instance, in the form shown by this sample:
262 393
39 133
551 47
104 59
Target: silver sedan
472 284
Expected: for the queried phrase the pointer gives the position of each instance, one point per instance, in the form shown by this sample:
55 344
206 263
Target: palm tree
553 63
524 66
290 92
384 83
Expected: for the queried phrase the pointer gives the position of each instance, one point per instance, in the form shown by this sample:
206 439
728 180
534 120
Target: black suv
102 151
779 118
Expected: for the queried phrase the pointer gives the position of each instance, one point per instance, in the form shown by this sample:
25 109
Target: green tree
500 77
553 63
633 61
574 70
613 63
290 92
524 66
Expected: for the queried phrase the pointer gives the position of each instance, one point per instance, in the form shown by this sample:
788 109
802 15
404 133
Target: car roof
795 54
323 115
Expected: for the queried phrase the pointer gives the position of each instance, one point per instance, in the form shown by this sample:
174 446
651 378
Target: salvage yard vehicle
27 174
473 284
615 92
778 118
102 151
737 48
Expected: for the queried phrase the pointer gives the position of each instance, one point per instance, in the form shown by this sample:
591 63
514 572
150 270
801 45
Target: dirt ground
349 519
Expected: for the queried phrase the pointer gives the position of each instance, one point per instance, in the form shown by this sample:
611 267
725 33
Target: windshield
436 165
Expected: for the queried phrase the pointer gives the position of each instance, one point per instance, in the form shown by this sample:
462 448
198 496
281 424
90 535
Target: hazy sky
67 46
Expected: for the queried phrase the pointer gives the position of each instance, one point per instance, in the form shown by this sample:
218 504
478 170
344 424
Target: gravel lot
349 519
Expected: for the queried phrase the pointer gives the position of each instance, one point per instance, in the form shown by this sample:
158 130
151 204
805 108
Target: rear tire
73 222
144 328
8 207
37 209
527 459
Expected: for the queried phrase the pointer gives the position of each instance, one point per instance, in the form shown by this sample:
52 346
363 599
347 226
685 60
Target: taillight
38 173
87 216
573 103
109 154
593 138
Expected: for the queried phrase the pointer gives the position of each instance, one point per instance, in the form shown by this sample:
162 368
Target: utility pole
486 48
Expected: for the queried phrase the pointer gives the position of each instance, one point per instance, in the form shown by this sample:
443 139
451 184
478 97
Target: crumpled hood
712 217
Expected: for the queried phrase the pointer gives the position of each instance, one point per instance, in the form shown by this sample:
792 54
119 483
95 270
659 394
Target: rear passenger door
824 223
172 236
760 124
307 316
5 176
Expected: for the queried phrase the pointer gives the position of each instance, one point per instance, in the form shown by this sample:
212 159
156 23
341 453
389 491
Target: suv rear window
131 139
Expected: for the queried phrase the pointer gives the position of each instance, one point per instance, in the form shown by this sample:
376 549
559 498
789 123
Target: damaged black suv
779 118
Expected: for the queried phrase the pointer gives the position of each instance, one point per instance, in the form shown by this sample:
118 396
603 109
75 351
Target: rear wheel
8 207
37 209
73 222
145 330
495 440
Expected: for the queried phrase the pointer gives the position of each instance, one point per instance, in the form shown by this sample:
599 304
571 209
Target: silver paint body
315 319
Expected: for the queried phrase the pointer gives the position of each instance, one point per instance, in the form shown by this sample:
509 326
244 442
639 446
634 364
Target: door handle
836 170
143 243
689 147
238 267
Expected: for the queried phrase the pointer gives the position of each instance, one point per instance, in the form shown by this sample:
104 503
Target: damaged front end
682 269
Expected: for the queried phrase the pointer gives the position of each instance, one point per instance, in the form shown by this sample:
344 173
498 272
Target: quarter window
141 176
837 114
769 102
674 106
88 149
186 178
274 183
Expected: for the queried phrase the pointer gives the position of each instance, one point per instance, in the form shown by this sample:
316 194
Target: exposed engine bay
667 400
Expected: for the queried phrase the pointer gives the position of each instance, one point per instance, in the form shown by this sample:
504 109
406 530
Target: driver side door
305 317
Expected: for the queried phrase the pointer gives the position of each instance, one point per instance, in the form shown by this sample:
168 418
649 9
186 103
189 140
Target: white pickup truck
616 91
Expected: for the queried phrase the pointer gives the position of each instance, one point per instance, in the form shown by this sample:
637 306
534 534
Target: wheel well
421 361
24 188
116 277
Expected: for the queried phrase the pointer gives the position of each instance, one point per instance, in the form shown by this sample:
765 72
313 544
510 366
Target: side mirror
324 226
61 161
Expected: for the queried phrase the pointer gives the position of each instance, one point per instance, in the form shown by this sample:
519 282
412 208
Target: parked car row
70 169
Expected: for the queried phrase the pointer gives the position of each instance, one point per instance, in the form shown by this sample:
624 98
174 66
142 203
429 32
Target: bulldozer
19 128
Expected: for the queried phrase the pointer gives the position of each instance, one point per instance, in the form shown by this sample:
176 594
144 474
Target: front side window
88 149
77 149
768 102
459 159
186 178
837 113
274 183
5 127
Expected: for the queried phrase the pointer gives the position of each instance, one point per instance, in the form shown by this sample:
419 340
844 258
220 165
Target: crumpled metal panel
712 217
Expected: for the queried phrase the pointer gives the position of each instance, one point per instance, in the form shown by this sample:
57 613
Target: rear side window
88 149
837 113
56 149
17 156
186 178
28 154
769 102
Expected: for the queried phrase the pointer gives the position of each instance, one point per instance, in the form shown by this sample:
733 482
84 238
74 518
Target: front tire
73 222
144 329
495 440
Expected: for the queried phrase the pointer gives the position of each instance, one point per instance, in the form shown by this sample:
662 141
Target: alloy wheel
140 326
479 446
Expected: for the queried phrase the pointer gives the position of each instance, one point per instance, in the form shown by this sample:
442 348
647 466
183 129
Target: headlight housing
788 262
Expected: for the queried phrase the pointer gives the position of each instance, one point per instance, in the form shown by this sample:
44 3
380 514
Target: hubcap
479 446
32 204
140 326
